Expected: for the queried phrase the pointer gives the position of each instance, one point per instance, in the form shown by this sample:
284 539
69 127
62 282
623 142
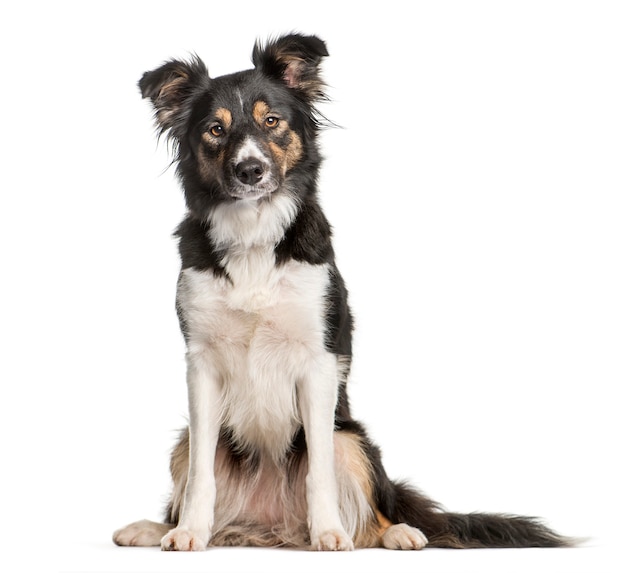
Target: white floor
102 556
491 381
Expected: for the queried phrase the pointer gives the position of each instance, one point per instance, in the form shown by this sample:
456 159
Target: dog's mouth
252 192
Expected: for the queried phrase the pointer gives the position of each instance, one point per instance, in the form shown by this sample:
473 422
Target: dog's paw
333 540
183 539
141 534
403 536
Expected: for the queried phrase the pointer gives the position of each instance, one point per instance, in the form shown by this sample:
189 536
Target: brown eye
271 121
216 130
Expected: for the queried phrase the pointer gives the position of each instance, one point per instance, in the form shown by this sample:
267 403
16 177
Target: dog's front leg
194 526
317 401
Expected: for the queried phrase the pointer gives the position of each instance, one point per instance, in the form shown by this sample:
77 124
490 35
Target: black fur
286 75
195 248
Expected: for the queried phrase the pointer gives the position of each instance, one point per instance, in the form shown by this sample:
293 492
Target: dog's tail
474 530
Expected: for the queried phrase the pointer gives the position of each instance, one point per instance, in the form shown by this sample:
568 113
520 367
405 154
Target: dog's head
242 136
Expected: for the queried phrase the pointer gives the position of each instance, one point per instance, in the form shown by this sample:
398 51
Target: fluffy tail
477 530
474 530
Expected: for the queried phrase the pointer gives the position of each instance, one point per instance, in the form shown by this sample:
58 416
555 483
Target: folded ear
171 89
295 60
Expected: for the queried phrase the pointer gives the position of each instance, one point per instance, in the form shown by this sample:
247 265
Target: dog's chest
262 330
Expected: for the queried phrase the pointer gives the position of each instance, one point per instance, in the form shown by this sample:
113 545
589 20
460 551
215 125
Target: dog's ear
295 60
171 89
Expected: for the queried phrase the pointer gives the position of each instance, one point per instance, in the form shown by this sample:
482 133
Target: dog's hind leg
403 536
142 533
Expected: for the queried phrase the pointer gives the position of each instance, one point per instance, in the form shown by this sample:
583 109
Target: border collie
272 455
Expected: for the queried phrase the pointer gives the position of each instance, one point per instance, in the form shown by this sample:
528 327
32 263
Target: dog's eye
216 130
271 121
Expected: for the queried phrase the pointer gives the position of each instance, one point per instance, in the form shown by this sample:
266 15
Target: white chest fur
262 329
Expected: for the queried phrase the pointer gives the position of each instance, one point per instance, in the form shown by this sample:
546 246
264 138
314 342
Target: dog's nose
249 171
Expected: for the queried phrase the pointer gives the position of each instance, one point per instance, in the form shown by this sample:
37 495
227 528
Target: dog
272 455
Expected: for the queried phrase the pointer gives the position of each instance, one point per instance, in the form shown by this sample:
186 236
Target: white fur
249 230
403 536
240 98
142 533
274 498
318 397
194 528
249 149
242 224
257 363
261 340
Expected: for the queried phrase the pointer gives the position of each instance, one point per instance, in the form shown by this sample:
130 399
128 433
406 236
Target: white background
477 191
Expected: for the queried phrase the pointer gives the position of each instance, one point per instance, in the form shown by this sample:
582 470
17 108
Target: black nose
249 171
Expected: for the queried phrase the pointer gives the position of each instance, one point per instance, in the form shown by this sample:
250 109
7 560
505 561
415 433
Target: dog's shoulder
195 247
309 238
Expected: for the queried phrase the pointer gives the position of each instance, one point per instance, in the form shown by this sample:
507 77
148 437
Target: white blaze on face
250 150
244 184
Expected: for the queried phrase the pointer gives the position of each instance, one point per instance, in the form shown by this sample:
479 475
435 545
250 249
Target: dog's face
241 136
246 135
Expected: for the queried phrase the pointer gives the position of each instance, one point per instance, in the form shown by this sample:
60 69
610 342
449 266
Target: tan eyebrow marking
259 111
224 116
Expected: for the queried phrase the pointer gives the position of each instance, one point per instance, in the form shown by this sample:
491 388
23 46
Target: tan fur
294 151
169 93
285 157
260 111
262 503
225 116
142 533
261 374
209 169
